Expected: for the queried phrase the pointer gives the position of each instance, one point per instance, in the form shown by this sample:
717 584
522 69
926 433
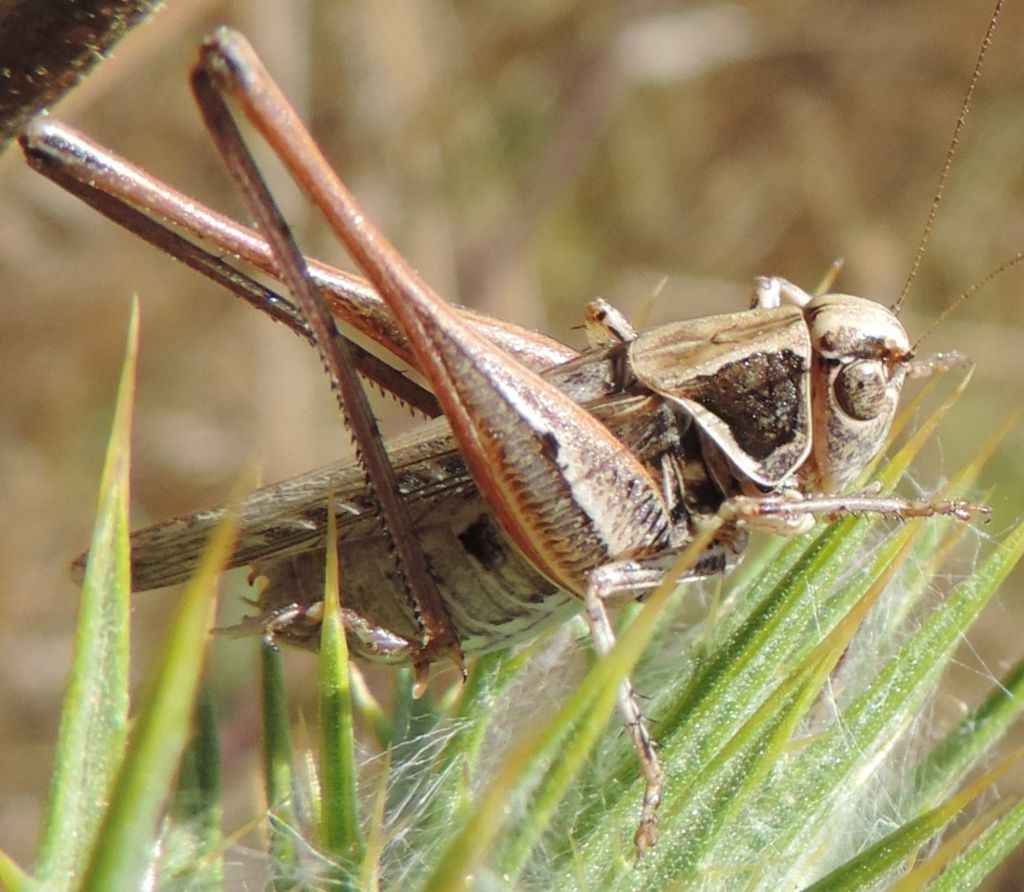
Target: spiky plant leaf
161 730
94 720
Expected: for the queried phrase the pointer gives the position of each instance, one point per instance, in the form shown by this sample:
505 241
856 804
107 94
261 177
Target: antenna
981 283
933 212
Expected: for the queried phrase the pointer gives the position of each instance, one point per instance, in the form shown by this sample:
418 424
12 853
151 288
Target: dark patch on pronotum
760 398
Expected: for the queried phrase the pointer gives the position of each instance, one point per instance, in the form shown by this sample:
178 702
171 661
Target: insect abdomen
492 594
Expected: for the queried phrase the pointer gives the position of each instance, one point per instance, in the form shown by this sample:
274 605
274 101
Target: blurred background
526 158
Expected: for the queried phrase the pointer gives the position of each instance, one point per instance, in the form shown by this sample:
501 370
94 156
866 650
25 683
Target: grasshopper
550 482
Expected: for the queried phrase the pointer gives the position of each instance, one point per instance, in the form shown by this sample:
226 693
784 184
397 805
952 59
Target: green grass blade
889 703
969 869
932 860
94 720
161 731
972 738
193 843
339 814
13 878
881 859
278 772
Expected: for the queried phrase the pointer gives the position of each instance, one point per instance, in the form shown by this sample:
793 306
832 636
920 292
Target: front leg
795 509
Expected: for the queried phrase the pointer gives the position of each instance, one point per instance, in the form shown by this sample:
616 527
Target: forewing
291 516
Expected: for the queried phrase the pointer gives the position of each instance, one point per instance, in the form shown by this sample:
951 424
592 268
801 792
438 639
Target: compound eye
860 389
